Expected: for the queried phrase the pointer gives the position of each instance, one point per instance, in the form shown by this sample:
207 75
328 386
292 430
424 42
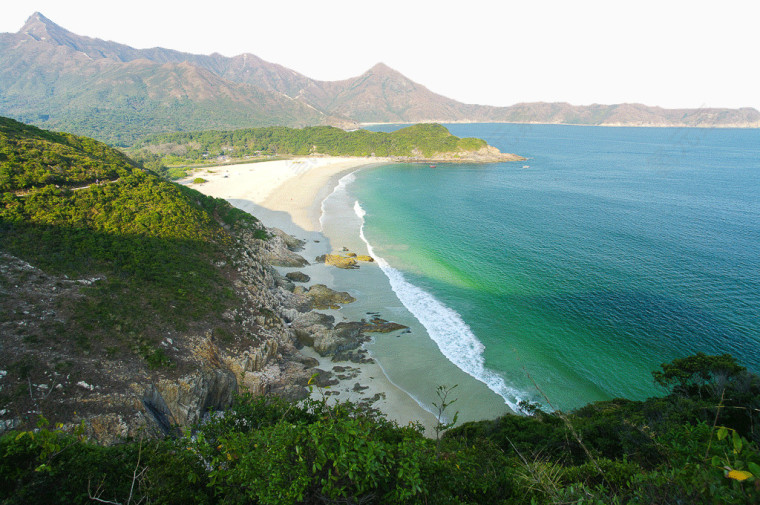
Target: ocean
567 278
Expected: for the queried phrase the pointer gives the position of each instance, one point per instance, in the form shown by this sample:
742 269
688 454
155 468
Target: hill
57 79
117 285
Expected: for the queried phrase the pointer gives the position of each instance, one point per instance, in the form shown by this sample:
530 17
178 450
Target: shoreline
290 194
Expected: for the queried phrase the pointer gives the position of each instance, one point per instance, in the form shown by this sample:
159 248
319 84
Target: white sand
297 188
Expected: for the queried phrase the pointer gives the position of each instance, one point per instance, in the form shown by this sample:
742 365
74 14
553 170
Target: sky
667 53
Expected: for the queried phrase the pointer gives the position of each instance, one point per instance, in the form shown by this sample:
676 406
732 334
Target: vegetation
684 448
30 157
73 206
425 140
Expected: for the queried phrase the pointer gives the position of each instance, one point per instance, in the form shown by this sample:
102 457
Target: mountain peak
382 68
41 28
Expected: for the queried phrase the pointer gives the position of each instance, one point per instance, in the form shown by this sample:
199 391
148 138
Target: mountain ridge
56 79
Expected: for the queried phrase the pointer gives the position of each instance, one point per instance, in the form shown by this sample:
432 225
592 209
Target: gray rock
344 337
313 319
289 314
297 277
169 404
277 251
291 242
286 284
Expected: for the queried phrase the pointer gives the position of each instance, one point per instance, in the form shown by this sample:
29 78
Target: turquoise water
579 271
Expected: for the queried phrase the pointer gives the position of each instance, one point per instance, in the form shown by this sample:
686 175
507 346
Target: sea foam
343 183
445 326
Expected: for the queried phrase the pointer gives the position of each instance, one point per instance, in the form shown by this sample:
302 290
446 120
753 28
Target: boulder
297 277
337 260
311 327
344 337
278 250
309 319
381 326
323 297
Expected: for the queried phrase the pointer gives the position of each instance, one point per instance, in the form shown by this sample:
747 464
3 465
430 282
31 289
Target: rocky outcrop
377 325
252 346
317 331
337 260
183 402
280 250
321 297
349 261
297 277
291 242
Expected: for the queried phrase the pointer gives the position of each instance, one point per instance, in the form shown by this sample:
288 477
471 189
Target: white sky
670 53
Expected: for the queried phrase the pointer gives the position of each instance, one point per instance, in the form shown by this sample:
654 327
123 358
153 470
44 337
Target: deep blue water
607 252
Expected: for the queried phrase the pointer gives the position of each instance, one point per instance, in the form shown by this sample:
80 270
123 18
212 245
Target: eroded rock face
184 402
280 249
291 242
312 326
249 346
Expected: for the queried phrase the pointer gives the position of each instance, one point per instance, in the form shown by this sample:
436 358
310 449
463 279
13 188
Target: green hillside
425 140
31 157
75 207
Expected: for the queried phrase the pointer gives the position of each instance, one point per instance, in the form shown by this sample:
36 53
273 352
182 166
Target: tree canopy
424 140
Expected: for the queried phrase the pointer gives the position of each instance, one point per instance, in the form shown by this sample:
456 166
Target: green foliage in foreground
267 451
419 140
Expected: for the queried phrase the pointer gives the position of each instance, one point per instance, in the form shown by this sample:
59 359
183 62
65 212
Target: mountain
55 78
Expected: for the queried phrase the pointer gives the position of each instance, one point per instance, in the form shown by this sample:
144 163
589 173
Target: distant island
56 79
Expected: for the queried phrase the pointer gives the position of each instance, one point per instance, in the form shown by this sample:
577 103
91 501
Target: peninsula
417 143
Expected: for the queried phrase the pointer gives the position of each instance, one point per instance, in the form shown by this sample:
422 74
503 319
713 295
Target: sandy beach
296 187
288 194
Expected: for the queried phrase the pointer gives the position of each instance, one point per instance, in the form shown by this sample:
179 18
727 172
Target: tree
693 374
